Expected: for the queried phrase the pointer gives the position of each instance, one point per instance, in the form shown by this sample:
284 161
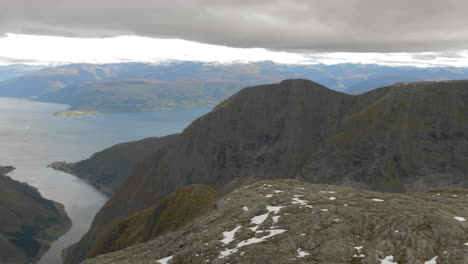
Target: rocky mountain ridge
287 221
402 138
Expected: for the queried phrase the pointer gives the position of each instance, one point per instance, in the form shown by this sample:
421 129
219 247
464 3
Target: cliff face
28 222
287 221
407 137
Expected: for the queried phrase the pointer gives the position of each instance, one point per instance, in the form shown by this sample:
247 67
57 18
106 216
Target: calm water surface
31 138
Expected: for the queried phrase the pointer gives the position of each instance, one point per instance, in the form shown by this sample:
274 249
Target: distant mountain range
15 70
403 138
132 87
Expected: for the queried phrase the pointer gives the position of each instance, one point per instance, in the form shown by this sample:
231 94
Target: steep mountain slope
406 137
287 221
107 169
172 213
28 222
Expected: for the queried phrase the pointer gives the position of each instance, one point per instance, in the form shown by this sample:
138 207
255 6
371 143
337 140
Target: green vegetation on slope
173 212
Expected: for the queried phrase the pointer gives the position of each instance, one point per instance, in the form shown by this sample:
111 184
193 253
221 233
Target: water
31 138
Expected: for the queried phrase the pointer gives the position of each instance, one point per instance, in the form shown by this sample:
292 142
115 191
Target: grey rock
321 223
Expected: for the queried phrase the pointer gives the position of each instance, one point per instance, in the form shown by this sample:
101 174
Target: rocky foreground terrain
288 221
28 222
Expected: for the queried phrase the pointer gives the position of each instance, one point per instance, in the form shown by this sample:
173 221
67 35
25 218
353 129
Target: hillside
15 70
28 222
130 87
287 221
402 138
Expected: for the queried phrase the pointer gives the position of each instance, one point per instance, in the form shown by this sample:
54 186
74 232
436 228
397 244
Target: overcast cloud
290 25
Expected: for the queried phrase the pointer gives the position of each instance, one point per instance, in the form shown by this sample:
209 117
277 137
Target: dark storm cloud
294 25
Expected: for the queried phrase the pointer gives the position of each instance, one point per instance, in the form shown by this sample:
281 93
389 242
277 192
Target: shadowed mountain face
28 222
401 138
128 87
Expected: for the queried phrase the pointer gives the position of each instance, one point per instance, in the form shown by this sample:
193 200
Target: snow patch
301 253
388 260
431 261
359 256
297 200
377 200
245 208
274 209
459 218
229 235
254 240
275 218
359 248
278 191
165 260
332 198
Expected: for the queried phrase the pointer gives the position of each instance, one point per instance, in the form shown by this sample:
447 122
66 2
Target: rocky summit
288 221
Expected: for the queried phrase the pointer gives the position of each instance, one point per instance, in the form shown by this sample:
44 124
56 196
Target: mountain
53 79
402 138
130 87
287 221
15 70
28 222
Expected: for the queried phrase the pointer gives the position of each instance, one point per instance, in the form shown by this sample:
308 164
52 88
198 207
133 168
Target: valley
35 138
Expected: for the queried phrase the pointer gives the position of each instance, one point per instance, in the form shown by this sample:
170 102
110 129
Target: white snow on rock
388 260
459 218
269 195
275 218
245 208
229 235
301 253
431 261
254 240
165 260
359 248
377 200
278 191
466 244
258 220
297 200
332 198
274 209
327 191
359 256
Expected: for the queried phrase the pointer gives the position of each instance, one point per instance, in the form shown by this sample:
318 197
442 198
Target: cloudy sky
418 32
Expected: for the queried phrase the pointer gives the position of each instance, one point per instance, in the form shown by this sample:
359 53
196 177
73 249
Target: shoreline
66 167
